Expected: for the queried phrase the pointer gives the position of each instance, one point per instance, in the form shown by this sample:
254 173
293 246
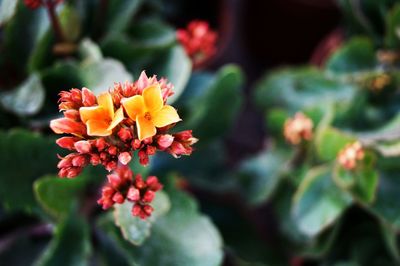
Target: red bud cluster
198 40
123 185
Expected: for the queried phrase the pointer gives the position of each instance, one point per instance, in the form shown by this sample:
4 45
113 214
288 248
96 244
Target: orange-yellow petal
118 117
152 98
105 100
93 113
145 127
98 128
134 106
166 116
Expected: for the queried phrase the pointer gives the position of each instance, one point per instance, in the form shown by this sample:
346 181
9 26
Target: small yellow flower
101 119
149 111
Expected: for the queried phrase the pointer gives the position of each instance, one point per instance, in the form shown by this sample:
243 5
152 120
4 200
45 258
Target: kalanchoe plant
107 129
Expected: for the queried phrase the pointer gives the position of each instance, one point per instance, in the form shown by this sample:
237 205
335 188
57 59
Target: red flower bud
136 143
133 194
151 150
101 144
124 158
83 146
114 179
88 98
112 150
69 126
143 158
125 134
148 196
72 114
164 141
148 210
153 183
136 210
118 198
67 142
95 159
139 183
79 161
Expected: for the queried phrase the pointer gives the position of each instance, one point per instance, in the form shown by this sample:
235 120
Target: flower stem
50 6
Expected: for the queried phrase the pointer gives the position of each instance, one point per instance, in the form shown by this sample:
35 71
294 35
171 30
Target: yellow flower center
147 115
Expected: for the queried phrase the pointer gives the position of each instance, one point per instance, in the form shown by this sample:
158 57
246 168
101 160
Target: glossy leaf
318 202
29 156
70 245
297 89
330 141
260 175
356 55
7 10
134 229
27 99
58 196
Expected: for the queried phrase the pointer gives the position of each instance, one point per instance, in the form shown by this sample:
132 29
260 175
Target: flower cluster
108 129
298 128
123 185
198 40
33 4
350 154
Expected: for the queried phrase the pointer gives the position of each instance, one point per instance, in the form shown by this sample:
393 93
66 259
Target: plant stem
50 6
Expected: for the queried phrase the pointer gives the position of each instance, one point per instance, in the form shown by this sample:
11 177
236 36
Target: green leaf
90 52
181 237
134 229
296 89
392 40
7 10
358 54
176 67
260 175
330 141
318 203
214 113
28 157
70 245
119 15
390 239
102 75
385 206
27 99
58 196
151 34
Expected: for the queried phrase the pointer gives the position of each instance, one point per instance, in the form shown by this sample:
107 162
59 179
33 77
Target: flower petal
145 127
98 128
166 116
92 113
69 126
134 106
118 117
105 100
152 98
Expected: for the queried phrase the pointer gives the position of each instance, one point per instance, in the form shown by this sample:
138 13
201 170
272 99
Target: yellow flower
101 119
149 111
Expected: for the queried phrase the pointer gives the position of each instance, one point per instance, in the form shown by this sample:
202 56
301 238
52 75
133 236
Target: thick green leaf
390 239
318 202
330 141
119 15
152 34
25 157
102 75
27 99
70 23
261 174
296 89
134 229
90 52
176 67
7 10
70 245
216 111
356 55
388 195
58 196
181 237
392 40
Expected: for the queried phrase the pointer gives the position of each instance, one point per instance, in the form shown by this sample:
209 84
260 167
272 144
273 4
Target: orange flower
149 111
101 119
